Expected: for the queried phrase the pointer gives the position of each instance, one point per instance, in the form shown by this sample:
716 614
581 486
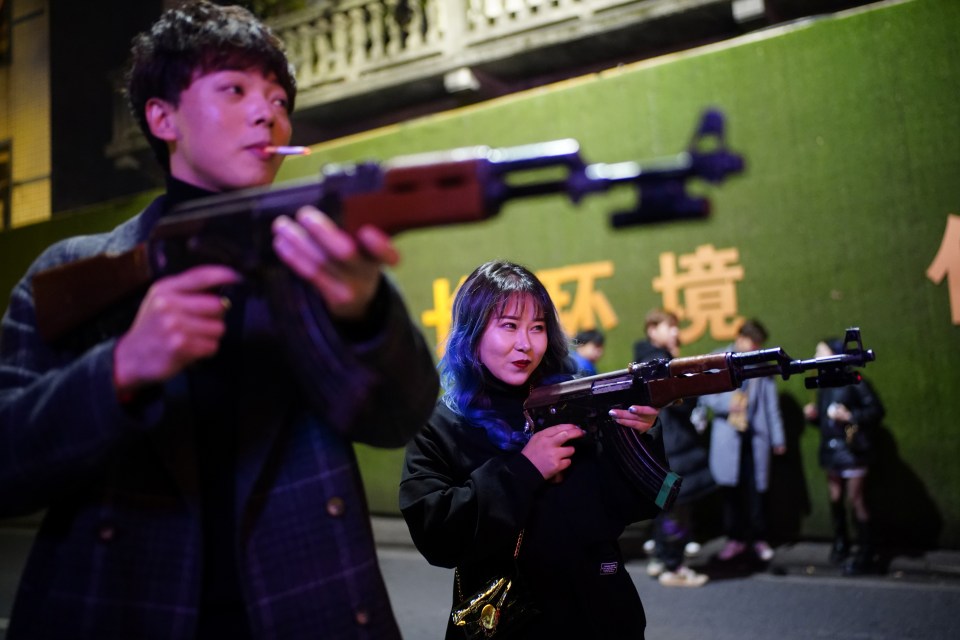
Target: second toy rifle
453 187
658 383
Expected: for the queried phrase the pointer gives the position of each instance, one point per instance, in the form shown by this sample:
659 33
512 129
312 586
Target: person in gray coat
746 427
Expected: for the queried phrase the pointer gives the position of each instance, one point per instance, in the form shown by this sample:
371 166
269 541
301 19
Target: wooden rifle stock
453 187
658 383
67 295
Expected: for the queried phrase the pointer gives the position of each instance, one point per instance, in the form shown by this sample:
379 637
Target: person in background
474 478
672 530
587 351
746 427
846 417
661 336
192 447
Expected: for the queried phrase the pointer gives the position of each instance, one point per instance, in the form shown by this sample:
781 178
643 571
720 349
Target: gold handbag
497 609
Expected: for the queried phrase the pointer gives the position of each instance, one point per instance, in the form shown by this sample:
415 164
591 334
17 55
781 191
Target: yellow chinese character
589 307
440 317
947 263
707 281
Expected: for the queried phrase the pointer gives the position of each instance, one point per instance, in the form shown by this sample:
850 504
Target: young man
662 336
588 347
672 530
192 447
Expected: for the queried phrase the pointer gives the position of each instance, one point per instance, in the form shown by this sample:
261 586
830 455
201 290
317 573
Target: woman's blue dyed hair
485 293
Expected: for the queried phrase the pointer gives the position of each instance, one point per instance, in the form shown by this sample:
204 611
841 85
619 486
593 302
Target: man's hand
345 270
179 322
548 449
636 417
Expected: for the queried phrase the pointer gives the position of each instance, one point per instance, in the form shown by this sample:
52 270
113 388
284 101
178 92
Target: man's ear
160 119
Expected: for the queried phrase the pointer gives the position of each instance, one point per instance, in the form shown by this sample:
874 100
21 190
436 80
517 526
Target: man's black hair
754 330
589 336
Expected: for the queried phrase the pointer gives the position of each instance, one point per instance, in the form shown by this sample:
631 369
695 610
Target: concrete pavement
908 580
797 596
800 558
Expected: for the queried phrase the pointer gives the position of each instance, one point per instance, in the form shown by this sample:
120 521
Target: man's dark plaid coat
119 552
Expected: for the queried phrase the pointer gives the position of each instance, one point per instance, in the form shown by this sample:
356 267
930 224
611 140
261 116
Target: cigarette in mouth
288 151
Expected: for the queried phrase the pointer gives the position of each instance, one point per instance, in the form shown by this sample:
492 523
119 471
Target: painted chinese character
947 263
441 316
703 292
589 307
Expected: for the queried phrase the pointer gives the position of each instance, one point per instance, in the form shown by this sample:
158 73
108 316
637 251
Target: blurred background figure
662 332
746 427
846 417
672 530
587 351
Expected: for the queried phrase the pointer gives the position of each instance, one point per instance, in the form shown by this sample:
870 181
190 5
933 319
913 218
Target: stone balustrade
349 48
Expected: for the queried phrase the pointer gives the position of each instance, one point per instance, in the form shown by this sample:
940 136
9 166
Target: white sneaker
691 549
763 551
683 577
649 546
655 568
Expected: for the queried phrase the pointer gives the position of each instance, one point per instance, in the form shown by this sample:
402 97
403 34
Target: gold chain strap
456 570
516 551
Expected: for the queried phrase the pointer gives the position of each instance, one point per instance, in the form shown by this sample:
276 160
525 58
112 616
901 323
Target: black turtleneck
213 384
179 192
506 400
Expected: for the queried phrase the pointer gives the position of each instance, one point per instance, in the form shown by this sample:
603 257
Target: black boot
864 560
841 543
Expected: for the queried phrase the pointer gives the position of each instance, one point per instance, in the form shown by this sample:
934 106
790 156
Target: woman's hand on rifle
636 417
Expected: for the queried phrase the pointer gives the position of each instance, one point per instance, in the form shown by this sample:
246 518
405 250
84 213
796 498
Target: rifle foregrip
698 364
691 377
413 197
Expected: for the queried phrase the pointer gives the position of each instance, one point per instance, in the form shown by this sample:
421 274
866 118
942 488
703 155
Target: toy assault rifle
660 382
453 187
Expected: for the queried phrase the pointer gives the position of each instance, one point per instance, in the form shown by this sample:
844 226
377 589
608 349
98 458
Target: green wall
851 133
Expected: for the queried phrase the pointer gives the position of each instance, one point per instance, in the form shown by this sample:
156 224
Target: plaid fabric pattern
118 554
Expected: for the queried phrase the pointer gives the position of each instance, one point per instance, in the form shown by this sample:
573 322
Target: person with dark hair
847 417
192 446
661 331
746 427
673 529
475 479
588 347
198 41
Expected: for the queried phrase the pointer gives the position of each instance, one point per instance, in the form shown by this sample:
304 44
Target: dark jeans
671 533
743 508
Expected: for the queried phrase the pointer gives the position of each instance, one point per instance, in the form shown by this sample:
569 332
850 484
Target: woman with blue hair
475 478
